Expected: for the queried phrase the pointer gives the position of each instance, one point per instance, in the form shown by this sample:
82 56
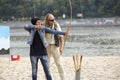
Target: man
55 43
38 46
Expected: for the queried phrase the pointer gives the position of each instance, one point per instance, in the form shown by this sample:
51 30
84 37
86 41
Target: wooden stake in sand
77 65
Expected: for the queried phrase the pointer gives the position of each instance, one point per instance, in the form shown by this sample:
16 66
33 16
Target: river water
85 40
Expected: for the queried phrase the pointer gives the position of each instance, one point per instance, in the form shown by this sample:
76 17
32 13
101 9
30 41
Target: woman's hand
38 27
66 33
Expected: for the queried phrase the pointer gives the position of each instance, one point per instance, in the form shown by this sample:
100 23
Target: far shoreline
74 22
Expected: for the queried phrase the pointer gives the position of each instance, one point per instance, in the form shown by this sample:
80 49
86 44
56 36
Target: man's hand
61 44
61 50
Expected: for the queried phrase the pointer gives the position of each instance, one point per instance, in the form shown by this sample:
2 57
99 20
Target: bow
67 30
69 25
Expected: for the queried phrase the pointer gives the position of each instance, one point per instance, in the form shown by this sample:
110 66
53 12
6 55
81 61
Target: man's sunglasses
51 20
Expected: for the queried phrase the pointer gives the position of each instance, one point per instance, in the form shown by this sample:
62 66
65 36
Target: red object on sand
15 57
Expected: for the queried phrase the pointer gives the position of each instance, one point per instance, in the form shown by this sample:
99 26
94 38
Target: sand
93 68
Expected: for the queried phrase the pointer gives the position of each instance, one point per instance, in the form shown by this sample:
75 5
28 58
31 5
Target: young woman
38 46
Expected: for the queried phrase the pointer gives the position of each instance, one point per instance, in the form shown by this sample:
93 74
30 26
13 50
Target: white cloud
4 43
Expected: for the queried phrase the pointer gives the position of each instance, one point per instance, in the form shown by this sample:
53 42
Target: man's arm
61 38
61 44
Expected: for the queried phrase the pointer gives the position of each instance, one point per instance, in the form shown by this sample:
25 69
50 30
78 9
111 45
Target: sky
4 31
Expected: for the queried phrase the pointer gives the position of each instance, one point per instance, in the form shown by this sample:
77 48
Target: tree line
25 9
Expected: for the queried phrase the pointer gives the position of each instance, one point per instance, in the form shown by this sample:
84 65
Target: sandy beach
93 68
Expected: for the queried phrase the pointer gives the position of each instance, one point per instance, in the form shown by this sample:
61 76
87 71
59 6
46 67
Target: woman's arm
29 27
51 31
